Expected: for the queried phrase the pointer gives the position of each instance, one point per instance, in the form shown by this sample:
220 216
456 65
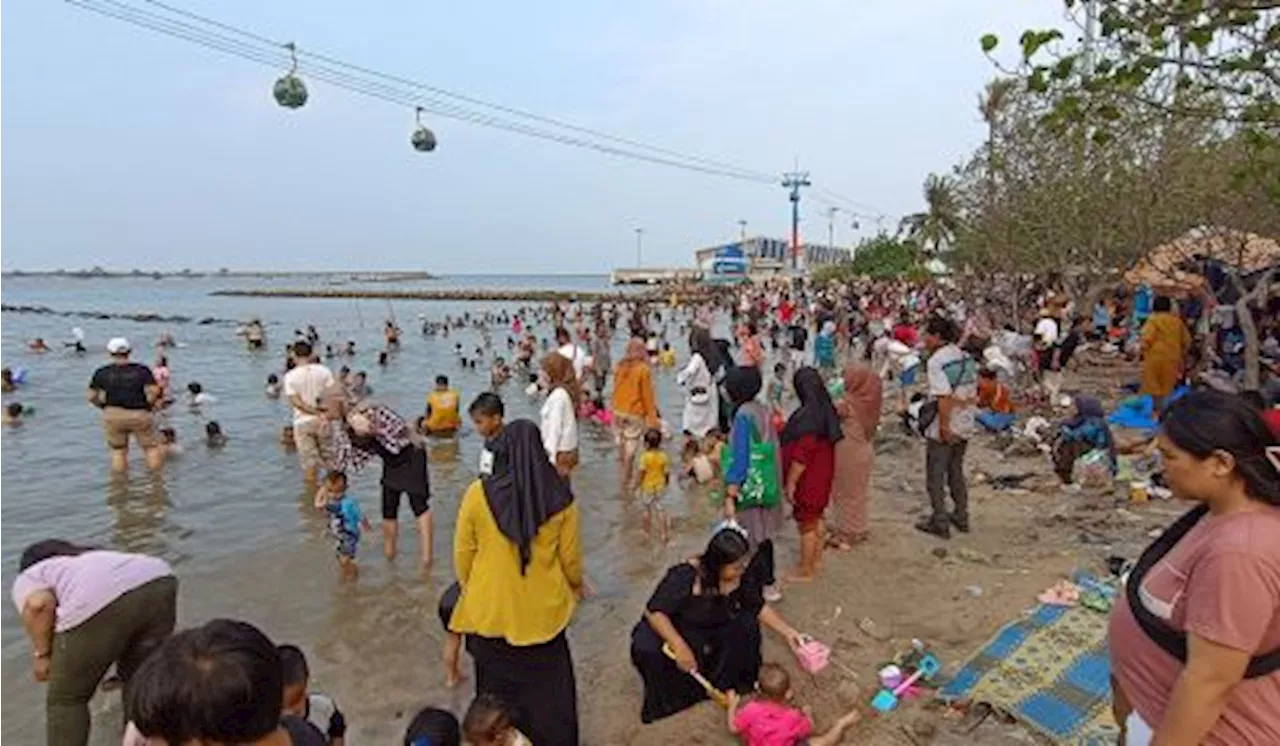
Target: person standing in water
303 387
442 416
126 392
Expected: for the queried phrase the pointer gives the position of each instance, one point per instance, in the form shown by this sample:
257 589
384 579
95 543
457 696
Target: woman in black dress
709 611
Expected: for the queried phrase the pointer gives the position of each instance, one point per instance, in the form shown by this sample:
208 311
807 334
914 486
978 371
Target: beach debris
869 628
1061 593
973 555
974 591
940 552
834 616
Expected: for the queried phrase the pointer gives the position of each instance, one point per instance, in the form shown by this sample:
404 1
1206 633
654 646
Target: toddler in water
345 520
273 386
655 475
196 396
286 438
771 720
318 709
695 464
488 723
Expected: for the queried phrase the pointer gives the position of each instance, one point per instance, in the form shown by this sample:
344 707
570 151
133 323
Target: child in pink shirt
770 720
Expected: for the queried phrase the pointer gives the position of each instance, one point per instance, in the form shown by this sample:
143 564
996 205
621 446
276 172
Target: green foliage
882 256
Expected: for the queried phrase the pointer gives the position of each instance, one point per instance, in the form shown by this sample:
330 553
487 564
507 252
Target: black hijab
525 490
816 415
743 383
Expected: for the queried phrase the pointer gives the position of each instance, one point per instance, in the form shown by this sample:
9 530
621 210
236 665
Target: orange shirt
633 392
994 396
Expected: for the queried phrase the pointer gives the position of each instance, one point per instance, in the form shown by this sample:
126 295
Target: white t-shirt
559 424
308 382
1047 332
576 356
964 371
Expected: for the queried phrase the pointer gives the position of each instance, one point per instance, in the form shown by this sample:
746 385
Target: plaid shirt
387 428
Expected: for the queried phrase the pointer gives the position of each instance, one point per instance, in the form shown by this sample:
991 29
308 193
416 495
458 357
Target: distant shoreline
99 273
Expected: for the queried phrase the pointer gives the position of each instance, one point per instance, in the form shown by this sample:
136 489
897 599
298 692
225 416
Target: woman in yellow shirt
519 561
1165 342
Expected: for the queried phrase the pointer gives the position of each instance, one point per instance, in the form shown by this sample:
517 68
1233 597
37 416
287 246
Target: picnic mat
1050 670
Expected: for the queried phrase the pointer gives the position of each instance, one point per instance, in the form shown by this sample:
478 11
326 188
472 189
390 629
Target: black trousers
536 680
944 470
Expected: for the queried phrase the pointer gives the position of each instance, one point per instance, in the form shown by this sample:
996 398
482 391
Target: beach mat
1050 670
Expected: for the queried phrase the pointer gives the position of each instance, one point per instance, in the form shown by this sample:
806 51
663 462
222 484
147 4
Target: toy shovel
887 699
720 697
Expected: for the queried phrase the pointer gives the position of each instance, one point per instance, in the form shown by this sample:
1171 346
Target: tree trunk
1260 293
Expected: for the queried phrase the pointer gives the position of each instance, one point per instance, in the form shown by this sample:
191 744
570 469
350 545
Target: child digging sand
771 720
345 521
655 476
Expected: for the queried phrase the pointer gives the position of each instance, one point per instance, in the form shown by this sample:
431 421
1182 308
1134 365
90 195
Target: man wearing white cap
126 392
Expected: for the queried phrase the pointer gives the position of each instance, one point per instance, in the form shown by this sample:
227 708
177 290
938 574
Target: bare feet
797 575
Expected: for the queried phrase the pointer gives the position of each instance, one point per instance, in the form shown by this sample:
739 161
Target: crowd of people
782 415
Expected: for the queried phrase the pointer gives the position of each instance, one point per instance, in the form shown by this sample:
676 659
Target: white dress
559 424
702 415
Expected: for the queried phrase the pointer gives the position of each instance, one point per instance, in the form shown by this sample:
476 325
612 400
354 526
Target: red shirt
814 490
1272 418
785 311
1222 583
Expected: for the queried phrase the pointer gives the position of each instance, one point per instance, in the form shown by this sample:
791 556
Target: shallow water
236 523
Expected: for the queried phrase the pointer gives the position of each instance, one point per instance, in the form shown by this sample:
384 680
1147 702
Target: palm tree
991 105
935 228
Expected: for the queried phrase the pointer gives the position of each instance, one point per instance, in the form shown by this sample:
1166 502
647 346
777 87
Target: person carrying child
345 521
770 719
655 476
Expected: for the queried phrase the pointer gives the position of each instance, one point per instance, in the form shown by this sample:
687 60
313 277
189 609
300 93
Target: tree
881 256
1208 75
935 228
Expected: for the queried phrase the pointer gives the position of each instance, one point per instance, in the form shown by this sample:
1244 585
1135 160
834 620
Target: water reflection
140 507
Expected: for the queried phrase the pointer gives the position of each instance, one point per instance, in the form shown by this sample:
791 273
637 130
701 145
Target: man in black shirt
126 392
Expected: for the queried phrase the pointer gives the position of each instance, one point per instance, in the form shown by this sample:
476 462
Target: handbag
761 488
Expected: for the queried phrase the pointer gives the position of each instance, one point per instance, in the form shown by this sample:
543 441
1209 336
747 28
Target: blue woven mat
1051 670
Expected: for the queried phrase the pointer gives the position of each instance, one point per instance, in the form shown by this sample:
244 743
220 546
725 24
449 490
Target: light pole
831 226
742 231
639 245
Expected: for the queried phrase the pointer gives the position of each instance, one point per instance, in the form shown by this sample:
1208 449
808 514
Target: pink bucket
813 655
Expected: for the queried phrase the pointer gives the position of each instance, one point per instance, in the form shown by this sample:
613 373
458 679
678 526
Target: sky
125 148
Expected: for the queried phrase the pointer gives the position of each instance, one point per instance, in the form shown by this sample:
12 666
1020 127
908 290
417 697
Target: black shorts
419 504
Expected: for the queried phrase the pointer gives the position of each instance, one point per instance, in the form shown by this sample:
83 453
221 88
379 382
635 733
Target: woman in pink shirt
84 610
1195 637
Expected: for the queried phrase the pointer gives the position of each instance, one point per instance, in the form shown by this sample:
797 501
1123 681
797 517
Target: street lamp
742 230
639 244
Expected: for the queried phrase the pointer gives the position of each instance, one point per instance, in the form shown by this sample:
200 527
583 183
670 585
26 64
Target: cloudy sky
125 148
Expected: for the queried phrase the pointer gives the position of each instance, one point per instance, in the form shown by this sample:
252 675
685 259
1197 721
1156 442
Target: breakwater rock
143 316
